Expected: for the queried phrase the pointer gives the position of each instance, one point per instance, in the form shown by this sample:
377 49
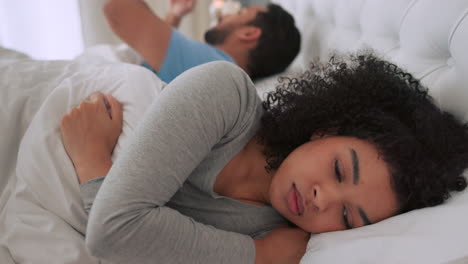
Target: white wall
44 29
61 29
96 30
94 25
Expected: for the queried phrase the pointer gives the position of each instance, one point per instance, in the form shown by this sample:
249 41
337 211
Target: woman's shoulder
222 76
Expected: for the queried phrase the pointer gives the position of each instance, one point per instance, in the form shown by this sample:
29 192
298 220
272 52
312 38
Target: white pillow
431 235
45 219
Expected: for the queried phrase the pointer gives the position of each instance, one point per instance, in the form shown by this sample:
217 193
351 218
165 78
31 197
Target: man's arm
135 23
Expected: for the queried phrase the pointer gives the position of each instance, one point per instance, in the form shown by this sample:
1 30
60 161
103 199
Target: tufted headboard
428 38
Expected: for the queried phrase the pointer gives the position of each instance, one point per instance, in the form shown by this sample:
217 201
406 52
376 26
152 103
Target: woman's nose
322 198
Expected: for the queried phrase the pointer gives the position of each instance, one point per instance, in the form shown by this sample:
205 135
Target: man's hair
278 45
373 100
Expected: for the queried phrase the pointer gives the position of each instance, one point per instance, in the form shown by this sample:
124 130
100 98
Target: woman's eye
345 218
339 177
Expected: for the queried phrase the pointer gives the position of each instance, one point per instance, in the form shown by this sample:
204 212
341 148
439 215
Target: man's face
229 23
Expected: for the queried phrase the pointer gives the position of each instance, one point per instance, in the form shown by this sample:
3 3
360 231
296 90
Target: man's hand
90 132
180 8
177 10
284 245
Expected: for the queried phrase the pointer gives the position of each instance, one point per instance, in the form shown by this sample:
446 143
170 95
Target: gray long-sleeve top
157 203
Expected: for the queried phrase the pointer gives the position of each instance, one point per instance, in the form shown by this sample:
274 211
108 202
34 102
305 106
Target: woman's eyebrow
355 161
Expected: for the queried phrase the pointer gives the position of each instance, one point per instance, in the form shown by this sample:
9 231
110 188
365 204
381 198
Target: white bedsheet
18 105
42 219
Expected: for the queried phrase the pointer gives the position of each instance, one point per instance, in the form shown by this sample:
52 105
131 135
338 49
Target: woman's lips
295 205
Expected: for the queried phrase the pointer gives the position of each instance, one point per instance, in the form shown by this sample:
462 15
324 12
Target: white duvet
43 220
41 215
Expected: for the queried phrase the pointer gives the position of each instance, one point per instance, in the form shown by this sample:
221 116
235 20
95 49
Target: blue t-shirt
183 54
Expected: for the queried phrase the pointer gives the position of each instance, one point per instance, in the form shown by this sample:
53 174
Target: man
261 40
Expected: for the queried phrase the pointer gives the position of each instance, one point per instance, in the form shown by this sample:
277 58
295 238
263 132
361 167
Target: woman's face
333 183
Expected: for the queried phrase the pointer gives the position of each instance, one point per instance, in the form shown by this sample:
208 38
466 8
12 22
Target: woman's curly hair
374 100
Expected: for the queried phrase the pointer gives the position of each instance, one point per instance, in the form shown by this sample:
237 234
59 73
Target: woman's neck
244 177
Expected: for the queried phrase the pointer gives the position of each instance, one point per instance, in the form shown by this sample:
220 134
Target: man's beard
216 36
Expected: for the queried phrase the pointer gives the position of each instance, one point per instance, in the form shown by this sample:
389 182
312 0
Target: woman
211 169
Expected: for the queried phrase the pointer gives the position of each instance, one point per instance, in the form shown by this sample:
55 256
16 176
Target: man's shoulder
184 53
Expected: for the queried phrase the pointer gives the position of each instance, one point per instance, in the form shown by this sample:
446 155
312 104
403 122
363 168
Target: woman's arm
129 222
90 132
283 245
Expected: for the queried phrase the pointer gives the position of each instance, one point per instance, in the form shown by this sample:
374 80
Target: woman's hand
284 245
90 132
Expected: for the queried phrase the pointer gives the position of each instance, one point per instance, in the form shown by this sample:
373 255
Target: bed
429 39
41 202
426 37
